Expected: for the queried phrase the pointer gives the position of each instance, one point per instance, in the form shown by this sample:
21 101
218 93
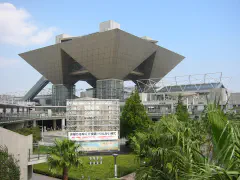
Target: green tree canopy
134 116
181 110
64 155
9 168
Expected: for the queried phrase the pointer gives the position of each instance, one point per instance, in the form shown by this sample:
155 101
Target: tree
9 168
64 155
134 116
181 110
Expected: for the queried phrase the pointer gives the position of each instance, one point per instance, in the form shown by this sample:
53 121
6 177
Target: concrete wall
19 146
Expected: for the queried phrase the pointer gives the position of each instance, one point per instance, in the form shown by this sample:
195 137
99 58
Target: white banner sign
93 136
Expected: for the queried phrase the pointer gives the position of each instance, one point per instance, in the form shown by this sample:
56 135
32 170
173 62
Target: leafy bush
35 131
9 169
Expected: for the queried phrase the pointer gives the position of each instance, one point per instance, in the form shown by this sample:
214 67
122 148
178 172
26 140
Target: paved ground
129 177
41 177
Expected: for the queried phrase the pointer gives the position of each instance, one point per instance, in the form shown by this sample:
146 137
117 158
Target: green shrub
9 168
35 131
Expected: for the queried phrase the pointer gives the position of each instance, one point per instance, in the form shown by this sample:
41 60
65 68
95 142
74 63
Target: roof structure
186 83
191 87
105 55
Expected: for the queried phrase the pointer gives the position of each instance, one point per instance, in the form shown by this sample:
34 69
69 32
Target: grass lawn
41 150
126 164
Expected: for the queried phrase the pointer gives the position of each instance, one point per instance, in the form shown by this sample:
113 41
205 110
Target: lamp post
115 165
42 131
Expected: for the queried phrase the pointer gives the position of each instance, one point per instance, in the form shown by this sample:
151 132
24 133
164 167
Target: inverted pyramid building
111 54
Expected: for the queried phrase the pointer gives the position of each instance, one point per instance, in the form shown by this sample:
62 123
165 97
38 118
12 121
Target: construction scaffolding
94 123
91 115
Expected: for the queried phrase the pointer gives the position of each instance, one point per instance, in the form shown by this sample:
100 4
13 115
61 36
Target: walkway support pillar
34 123
63 124
54 124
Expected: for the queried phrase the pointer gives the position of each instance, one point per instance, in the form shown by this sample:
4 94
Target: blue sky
206 32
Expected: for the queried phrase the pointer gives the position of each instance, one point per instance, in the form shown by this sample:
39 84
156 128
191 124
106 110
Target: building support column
62 92
11 111
34 123
110 89
4 111
63 124
54 124
17 111
172 108
30 172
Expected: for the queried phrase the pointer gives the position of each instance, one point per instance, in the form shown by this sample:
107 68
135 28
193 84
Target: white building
160 96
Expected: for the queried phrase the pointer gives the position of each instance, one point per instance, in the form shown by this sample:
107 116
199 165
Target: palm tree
176 149
64 155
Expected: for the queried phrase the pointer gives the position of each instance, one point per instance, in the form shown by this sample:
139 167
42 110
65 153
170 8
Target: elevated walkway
42 82
29 117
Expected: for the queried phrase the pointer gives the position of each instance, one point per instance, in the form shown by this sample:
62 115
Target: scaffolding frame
91 115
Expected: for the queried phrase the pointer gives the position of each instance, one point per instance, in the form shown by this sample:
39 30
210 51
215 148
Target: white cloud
6 62
16 27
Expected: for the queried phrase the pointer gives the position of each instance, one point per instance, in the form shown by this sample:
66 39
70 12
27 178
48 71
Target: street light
42 131
115 165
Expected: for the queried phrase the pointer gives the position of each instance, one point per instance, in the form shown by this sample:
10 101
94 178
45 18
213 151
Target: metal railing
11 117
36 155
